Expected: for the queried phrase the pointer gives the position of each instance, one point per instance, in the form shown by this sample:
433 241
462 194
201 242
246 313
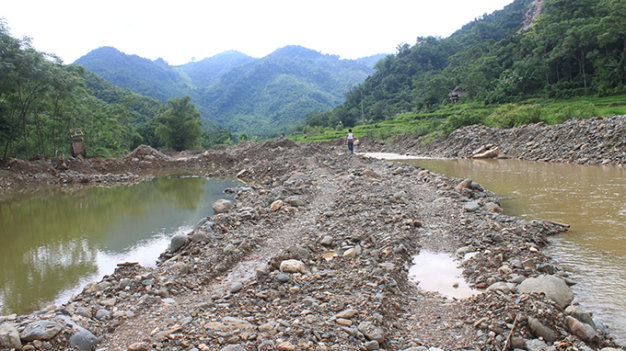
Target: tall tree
179 124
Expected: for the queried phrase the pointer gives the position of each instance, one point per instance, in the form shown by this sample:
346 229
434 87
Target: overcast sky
181 30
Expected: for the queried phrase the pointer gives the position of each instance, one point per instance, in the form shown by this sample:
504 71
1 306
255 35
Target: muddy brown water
591 199
55 240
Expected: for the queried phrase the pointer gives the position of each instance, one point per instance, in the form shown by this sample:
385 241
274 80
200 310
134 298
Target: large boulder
40 330
553 287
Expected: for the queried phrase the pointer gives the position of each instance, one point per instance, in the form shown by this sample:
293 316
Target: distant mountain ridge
259 96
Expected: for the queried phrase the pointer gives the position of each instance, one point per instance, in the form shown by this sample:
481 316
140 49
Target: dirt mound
280 142
145 152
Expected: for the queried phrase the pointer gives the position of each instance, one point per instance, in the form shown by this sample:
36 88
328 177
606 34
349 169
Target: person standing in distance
350 141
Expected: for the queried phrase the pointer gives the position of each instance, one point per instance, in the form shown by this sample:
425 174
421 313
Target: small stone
102 314
500 286
10 337
350 253
465 184
345 322
125 283
283 277
139 346
285 346
347 313
584 331
371 331
292 266
471 206
505 270
276 205
222 205
581 315
235 287
177 242
84 340
541 330
372 345
327 240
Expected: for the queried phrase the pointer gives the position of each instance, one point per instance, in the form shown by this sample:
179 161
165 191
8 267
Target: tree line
42 100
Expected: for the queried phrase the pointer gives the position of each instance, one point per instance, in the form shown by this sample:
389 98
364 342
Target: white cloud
182 29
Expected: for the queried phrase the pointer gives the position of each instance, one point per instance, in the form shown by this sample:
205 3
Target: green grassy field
444 120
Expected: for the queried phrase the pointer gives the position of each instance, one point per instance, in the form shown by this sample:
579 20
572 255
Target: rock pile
597 141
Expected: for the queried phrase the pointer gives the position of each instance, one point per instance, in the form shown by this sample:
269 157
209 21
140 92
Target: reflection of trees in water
51 241
42 271
184 193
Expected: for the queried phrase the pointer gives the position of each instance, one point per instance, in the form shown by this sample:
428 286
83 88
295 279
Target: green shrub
510 115
585 110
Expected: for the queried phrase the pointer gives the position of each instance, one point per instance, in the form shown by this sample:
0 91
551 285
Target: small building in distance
457 93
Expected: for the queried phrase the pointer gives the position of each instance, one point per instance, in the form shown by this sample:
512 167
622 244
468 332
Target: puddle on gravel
439 272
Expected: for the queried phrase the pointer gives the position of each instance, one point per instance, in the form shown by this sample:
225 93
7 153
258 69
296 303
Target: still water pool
592 199
57 239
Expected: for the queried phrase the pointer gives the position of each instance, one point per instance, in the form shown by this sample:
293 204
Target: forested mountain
270 95
155 79
205 72
575 47
263 97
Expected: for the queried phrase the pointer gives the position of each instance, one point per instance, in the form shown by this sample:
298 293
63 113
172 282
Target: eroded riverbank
258 276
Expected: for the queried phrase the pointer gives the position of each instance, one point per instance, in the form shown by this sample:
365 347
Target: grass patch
443 121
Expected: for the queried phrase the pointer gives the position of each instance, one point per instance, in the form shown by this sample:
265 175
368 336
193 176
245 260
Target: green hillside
155 79
269 96
205 72
510 58
260 97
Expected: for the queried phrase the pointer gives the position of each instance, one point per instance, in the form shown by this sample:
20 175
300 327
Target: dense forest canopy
576 47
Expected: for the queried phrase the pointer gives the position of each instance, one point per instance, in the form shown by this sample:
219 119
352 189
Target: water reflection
439 272
592 199
55 241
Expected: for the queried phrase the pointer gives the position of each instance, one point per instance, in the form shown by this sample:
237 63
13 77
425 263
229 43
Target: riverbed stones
10 337
471 206
292 266
371 331
347 314
40 330
276 205
139 346
541 330
552 286
582 330
311 307
103 314
177 242
222 205
491 153
581 315
84 340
